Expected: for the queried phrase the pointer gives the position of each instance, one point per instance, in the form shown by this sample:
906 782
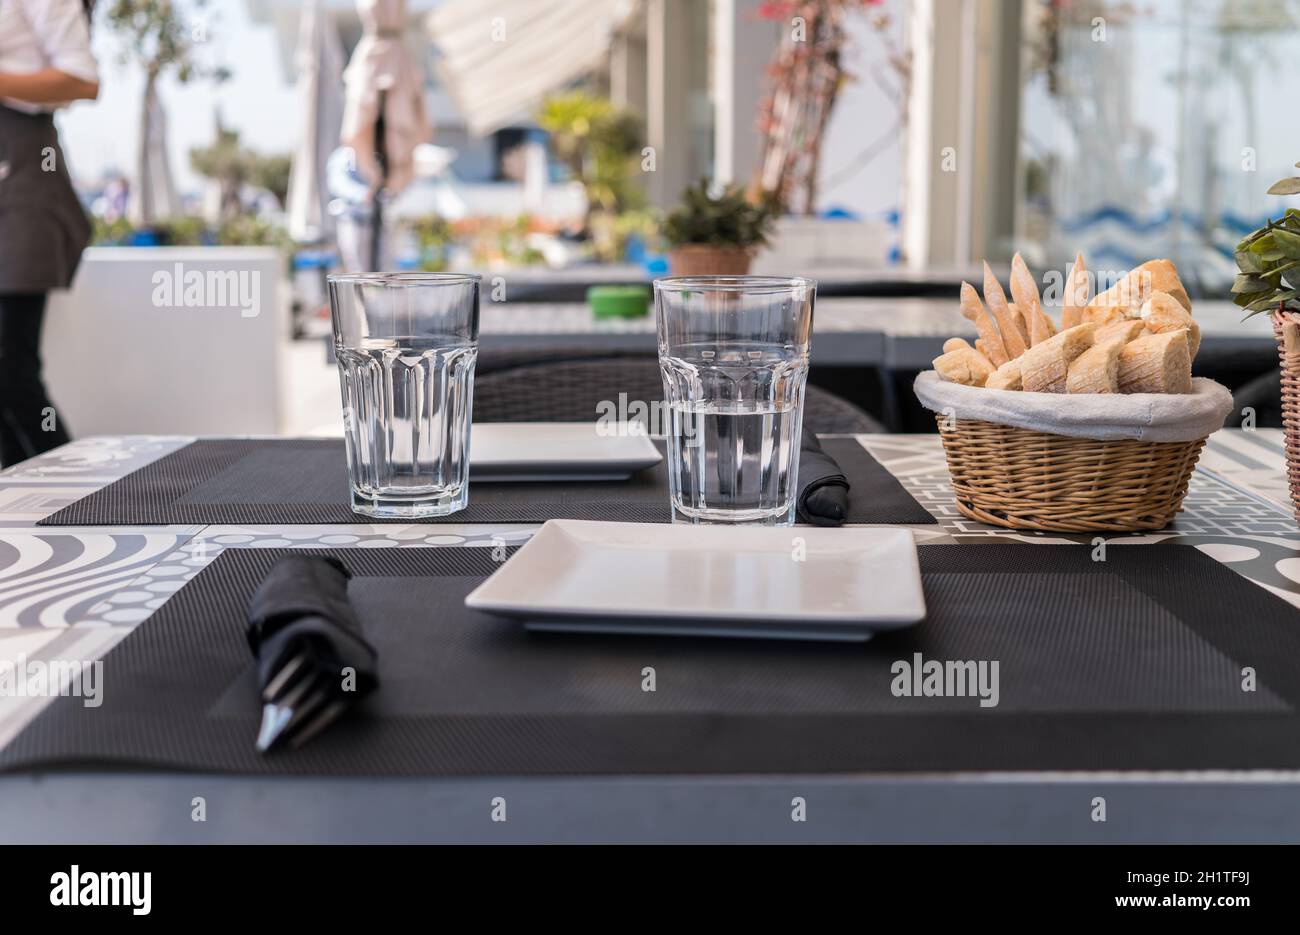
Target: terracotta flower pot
1286 325
709 260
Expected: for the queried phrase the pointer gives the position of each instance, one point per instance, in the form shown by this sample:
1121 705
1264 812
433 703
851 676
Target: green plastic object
619 301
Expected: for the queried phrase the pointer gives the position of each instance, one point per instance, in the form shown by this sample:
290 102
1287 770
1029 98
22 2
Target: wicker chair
559 388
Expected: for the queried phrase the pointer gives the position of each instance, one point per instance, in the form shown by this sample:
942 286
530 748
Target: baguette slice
955 344
1096 370
1018 316
1008 325
1123 331
1104 314
1162 312
1006 377
1164 278
1133 290
1045 367
973 310
1076 294
964 365
1025 291
1156 363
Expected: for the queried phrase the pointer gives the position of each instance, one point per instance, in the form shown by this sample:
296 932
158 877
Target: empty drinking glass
734 355
406 345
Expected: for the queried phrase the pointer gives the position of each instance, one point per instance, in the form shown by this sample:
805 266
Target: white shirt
40 34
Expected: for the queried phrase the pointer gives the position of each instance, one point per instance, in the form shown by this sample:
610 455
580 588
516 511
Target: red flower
776 9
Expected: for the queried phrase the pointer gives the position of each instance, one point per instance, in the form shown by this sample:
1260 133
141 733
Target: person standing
45 63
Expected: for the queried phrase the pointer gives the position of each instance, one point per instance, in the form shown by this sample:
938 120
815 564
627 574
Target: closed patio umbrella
499 58
319 60
383 114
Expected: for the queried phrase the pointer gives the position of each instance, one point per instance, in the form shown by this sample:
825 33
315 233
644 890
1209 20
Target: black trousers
29 423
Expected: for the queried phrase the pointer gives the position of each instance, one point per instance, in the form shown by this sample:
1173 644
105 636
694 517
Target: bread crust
965 365
1045 367
1156 363
1132 291
1076 294
1162 312
973 310
1096 370
1025 291
1008 327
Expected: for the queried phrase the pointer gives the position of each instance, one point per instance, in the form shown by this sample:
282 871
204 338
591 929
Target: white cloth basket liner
1154 417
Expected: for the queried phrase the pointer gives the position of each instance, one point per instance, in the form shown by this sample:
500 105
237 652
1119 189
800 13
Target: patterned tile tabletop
73 592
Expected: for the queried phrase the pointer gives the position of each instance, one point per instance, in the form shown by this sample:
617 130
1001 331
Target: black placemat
1131 663
276 481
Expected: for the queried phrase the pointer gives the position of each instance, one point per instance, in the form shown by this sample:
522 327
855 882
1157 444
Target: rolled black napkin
312 661
823 488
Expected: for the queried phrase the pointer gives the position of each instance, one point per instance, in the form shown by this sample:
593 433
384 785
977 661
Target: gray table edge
959 808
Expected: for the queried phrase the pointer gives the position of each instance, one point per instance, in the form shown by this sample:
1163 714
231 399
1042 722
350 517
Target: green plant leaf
1268 301
1248 262
1289 186
1247 283
1288 243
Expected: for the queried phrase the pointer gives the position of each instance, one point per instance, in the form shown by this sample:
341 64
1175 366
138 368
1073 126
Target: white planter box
170 340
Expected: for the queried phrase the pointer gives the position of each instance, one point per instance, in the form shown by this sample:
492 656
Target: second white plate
557 451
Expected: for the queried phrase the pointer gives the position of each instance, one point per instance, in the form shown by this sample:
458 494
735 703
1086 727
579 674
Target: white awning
499 58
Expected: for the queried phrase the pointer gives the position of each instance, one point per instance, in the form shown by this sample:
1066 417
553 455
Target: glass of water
406 345
734 355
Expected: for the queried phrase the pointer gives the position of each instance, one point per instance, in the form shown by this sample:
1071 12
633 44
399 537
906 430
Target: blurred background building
912 140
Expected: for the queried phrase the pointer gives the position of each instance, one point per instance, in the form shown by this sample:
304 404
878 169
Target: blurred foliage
242 231
162 35
611 233
728 220
110 233
435 237
272 173
601 145
232 166
492 243
248 231
497 242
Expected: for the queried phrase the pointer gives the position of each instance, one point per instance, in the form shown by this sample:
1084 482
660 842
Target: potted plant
710 235
1268 280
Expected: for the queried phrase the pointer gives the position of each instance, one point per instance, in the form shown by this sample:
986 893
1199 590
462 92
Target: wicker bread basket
1287 328
1023 479
1083 477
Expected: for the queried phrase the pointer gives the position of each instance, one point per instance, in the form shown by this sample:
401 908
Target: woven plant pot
1022 479
1286 325
709 260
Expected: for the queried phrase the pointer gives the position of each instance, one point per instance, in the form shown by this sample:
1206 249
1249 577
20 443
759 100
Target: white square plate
794 583
557 451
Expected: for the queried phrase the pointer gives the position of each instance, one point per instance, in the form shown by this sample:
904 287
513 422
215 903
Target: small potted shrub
710 236
1268 280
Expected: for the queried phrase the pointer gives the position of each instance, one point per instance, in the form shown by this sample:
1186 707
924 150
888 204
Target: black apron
43 228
